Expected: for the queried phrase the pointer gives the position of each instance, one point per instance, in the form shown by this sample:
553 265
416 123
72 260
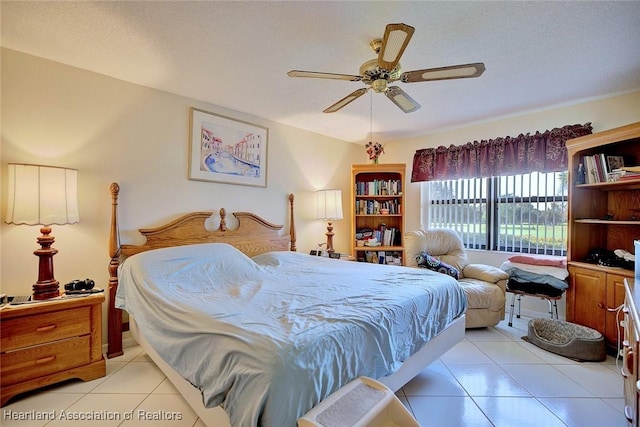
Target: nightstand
50 341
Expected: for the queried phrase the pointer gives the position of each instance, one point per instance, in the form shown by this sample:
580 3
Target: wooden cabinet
50 341
377 203
595 294
606 216
630 353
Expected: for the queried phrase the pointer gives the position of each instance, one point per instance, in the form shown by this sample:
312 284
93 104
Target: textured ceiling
236 55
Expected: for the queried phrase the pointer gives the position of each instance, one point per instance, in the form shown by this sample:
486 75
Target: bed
238 319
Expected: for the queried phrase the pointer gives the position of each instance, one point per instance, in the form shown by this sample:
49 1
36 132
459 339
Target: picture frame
226 150
614 162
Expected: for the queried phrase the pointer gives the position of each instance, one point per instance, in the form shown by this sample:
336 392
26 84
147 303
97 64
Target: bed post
114 348
292 226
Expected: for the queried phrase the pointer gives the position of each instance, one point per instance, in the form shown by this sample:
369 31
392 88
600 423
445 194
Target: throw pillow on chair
425 260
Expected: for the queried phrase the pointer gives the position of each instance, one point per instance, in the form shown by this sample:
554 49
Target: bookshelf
377 203
603 215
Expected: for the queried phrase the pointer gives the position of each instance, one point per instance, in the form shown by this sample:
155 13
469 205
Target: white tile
617 404
487 380
547 356
435 380
485 334
616 367
465 352
102 410
135 377
142 357
163 410
546 381
595 378
491 372
585 412
458 411
517 411
130 353
504 353
79 386
166 387
517 331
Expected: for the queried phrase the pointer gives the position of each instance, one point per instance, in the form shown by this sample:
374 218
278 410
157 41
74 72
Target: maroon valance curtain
542 152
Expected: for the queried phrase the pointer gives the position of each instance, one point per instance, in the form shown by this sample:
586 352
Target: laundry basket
567 339
361 403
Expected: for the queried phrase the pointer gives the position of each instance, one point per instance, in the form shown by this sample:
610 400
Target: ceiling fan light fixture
379 73
379 85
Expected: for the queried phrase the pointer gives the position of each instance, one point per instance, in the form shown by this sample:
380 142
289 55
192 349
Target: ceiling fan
379 72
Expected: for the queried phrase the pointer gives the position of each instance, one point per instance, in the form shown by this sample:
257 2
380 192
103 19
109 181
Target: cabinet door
615 299
586 298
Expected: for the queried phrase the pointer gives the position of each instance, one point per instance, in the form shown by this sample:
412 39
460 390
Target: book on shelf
379 187
375 207
625 176
380 257
386 236
603 168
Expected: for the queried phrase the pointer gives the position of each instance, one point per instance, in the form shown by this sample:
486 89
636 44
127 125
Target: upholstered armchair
484 285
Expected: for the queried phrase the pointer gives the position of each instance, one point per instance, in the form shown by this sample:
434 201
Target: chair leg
550 308
519 305
555 305
513 299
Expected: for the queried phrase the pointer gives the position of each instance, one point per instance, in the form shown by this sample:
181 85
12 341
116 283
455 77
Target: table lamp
42 195
329 208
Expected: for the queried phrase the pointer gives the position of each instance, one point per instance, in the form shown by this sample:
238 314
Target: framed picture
614 162
226 150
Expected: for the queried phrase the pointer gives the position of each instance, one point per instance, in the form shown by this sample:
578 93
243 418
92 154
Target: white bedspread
270 337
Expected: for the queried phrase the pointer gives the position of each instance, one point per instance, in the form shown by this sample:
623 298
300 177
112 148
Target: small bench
539 290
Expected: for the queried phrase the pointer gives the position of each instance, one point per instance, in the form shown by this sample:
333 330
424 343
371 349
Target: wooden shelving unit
604 215
374 186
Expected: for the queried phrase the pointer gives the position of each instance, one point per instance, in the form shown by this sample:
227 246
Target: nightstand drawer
38 361
42 328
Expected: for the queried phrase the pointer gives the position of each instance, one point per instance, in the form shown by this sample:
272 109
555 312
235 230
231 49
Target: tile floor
492 378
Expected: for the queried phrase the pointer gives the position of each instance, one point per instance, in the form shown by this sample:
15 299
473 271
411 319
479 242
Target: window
519 213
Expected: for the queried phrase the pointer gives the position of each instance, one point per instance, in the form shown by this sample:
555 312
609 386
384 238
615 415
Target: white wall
110 130
602 113
115 131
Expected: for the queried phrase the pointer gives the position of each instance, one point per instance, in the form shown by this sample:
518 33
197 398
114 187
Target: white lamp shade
42 195
329 204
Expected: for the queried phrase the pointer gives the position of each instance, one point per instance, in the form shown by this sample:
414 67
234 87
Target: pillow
425 260
539 260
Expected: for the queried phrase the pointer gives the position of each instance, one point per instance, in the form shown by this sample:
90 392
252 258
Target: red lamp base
47 286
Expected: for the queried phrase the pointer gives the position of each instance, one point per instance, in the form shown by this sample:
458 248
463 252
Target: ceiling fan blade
395 40
444 73
346 100
401 99
317 75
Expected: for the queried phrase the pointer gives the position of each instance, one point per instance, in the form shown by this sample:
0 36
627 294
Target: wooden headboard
253 236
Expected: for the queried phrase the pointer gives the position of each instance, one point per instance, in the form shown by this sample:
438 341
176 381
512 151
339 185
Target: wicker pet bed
567 339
